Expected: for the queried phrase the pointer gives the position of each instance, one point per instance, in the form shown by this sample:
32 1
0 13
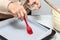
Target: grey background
45 8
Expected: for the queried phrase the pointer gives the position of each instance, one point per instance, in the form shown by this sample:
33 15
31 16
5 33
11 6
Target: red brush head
29 30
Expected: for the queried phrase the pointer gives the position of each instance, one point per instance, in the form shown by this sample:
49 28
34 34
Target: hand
17 10
35 4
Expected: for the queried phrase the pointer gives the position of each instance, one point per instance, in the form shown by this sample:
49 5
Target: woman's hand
17 10
35 4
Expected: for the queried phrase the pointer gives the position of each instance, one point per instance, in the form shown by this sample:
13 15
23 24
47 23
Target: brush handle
26 21
52 6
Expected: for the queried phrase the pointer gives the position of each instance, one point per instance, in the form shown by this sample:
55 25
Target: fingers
24 12
21 14
35 4
17 10
31 2
18 15
35 7
38 3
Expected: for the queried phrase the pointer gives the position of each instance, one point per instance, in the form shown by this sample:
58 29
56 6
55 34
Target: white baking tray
14 29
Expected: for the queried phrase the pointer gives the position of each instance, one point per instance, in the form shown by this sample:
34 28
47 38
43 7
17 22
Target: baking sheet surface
16 30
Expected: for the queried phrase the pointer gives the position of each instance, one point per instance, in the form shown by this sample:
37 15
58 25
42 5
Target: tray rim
48 32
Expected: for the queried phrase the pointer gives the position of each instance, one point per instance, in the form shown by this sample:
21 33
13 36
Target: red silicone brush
28 28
